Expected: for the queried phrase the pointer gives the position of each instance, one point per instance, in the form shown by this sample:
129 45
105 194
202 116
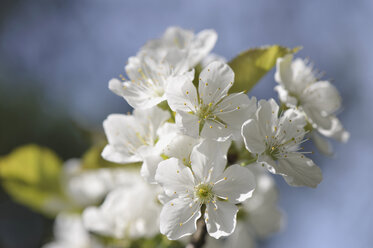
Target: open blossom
210 113
318 100
148 80
138 137
70 232
263 217
195 47
127 212
204 182
160 63
89 187
276 141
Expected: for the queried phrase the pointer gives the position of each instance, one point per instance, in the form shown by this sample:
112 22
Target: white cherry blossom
127 212
276 141
70 232
212 112
89 187
138 137
148 80
205 182
263 217
175 39
299 87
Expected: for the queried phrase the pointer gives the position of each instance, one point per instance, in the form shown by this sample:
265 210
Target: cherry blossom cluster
205 152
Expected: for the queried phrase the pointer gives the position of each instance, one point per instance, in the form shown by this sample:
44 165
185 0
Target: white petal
96 221
236 183
202 45
181 147
299 171
123 143
139 98
267 116
179 217
209 159
284 97
316 117
187 123
284 73
177 36
254 142
69 228
116 86
215 81
237 108
174 177
149 167
322 144
336 131
322 96
267 162
152 118
220 218
182 95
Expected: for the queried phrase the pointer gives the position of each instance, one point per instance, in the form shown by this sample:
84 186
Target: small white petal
204 42
322 96
220 218
254 142
299 170
209 159
174 177
322 144
149 167
336 131
187 123
237 108
285 97
179 218
119 129
284 73
182 95
236 183
216 80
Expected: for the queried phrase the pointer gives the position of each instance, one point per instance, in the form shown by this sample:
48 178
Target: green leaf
250 66
31 175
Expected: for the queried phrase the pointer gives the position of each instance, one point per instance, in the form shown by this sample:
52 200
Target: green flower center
204 193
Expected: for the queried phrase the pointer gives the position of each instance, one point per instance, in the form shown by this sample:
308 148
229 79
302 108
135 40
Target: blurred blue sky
75 47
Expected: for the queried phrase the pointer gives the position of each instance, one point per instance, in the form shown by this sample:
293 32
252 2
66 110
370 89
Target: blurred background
56 58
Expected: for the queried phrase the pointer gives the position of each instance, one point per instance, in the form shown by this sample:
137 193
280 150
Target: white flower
210 113
148 80
138 137
195 47
70 232
263 216
127 212
205 182
276 141
89 187
318 100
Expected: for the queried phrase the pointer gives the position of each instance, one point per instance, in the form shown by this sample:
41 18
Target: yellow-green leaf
31 175
250 66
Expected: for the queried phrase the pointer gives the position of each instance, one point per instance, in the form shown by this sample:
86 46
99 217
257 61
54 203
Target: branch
199 237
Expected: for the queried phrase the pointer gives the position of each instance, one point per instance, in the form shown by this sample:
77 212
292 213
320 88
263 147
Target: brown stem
199 237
